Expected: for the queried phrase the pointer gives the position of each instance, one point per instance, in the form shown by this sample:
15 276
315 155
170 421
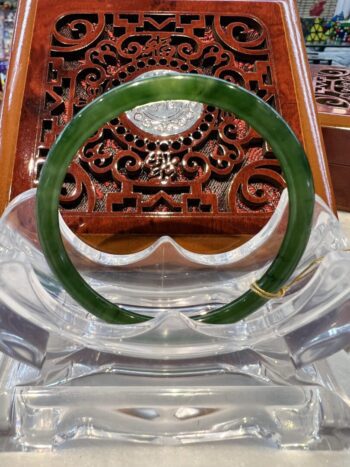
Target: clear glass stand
67 378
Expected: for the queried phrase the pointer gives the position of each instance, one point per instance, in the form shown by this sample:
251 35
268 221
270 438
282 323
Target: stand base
174 409
283 417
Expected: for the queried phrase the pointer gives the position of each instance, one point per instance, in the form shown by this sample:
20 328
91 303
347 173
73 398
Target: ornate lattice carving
218 165
332 88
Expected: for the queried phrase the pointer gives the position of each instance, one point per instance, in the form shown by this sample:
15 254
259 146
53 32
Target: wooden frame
292 78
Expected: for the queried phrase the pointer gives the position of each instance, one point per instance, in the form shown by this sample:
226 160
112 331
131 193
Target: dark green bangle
207 90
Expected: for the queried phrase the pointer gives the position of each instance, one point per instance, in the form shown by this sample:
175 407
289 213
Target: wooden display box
67 53
332 91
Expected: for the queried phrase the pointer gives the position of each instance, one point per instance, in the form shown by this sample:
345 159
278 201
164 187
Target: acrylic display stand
67 378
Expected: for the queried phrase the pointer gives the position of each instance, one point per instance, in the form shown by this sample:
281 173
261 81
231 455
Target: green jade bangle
215 92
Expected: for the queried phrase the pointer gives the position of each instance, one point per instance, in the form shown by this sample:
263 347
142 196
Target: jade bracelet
215 92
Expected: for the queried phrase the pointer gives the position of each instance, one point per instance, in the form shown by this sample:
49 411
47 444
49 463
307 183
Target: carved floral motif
219 165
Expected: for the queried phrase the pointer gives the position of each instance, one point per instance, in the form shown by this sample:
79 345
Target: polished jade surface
227 96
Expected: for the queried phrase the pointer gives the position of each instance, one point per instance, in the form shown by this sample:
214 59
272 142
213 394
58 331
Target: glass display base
232 399
68 379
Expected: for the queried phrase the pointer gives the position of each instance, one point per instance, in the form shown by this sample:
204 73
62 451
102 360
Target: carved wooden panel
332 89
195 158
171 167
332 92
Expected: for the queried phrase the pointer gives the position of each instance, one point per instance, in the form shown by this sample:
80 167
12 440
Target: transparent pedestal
68 379
83 397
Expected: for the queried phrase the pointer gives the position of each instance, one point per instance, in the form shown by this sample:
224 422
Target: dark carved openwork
218 165
332 88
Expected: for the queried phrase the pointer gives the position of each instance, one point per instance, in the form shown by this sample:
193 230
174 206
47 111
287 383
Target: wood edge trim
13 95
334 121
